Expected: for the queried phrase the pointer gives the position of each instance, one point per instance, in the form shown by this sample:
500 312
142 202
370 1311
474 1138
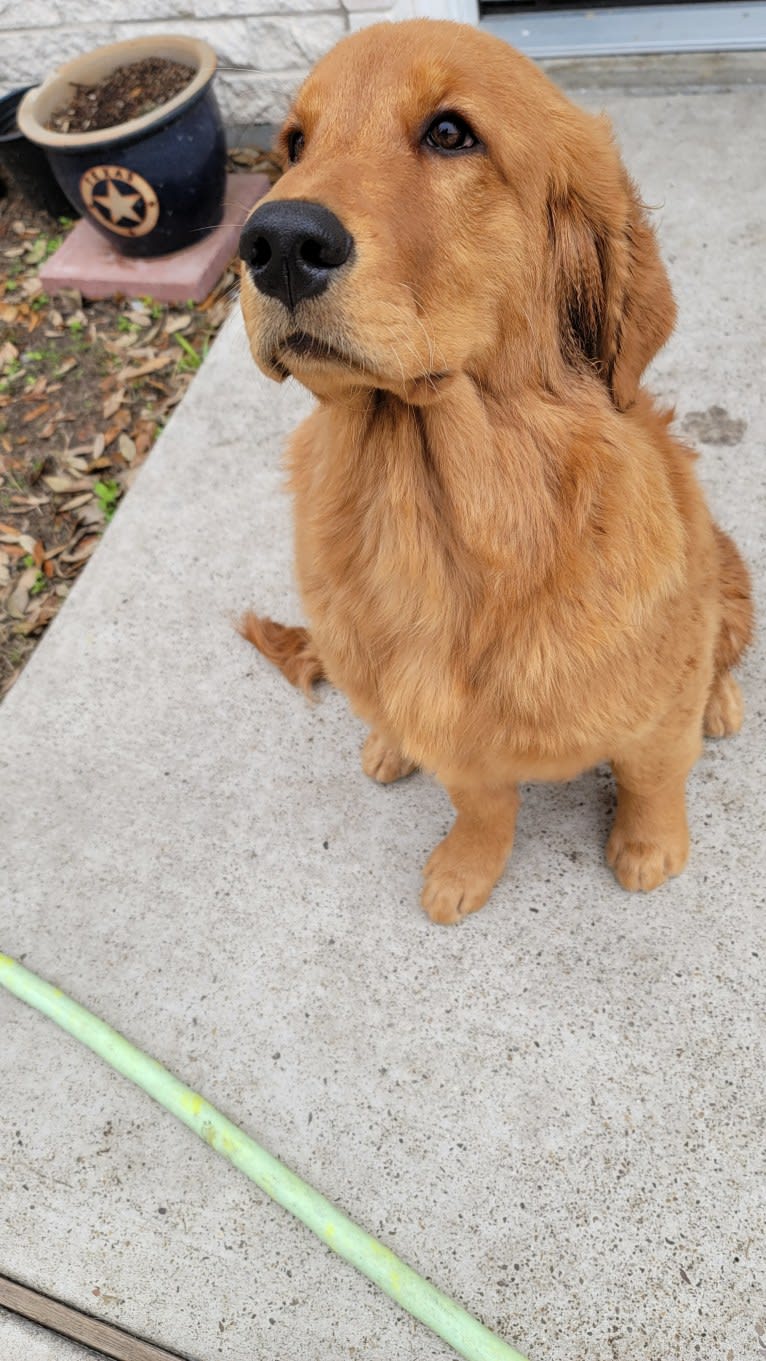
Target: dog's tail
736 630
291 649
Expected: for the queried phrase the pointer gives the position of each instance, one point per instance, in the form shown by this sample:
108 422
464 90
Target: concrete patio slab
555 1111
22 1341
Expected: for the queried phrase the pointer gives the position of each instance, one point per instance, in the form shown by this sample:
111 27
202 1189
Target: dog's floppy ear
614 301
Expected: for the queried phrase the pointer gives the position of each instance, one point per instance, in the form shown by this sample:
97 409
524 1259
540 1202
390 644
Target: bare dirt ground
85 388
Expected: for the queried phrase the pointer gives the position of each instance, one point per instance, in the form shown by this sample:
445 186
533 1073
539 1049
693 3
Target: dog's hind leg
383 761
724 709
289 648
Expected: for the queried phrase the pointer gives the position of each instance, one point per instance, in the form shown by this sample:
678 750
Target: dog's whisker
211 226
395 353
429 340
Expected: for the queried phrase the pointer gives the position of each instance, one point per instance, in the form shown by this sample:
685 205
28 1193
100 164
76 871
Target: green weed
108 494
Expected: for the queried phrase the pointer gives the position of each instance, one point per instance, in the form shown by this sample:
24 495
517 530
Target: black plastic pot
23 166
152 185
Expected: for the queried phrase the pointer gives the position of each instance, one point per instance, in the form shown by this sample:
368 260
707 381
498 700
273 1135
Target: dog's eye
449 132
295 144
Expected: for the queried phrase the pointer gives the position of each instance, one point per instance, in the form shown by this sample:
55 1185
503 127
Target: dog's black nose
291 248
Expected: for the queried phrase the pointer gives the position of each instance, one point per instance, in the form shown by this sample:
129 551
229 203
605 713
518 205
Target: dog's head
446 210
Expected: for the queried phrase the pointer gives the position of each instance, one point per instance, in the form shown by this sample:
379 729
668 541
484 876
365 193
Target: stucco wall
278 39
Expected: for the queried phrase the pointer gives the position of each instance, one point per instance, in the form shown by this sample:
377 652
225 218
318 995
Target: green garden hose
464 1333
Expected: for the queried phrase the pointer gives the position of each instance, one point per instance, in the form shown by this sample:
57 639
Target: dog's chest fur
472 615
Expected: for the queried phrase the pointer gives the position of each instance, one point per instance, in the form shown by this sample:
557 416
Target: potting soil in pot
128 92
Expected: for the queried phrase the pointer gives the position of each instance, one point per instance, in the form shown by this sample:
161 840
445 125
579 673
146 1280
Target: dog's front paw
383 762
643 865
454 886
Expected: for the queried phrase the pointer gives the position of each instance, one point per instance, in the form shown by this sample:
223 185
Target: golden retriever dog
504 554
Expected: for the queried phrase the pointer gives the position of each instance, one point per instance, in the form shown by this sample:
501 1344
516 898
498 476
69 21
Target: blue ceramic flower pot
152 185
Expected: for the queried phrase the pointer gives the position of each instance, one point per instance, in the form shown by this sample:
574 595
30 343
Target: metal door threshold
628 29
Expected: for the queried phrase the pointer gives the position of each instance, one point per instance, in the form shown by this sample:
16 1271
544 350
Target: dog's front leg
650 838
466 865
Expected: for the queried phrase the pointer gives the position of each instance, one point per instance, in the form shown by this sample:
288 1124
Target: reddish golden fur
504 554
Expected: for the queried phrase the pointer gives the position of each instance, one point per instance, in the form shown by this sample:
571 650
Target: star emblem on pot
120 200
117 206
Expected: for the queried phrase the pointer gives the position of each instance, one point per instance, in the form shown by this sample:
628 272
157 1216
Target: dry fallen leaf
91 514
36 412
83 550
31 501
114 402
18 600
28 625
124 342
41 616
144 351
121 422
127 448
76 501
64 484
151 366
221 311
177 322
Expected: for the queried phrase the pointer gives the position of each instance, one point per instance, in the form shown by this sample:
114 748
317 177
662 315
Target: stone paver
88 262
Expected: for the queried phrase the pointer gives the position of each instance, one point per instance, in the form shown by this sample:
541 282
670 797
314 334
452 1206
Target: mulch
85 388
128 92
